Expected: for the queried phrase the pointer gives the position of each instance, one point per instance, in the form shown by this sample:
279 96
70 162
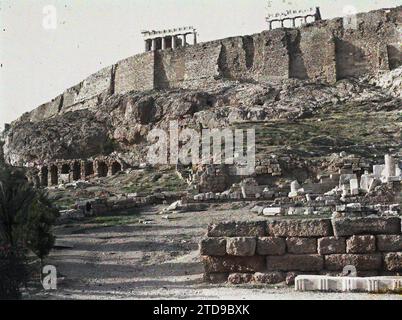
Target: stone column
389 166
174 42
270 25
195 38
146 46
184 40
294 23
163 43
153 44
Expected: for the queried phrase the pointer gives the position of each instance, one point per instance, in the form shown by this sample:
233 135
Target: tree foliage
26 220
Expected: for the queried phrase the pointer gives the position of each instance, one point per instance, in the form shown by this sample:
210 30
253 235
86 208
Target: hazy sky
37 63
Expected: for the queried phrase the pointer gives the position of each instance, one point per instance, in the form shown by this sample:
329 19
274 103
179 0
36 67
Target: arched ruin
54 175
76 171
44 176
102 169
89 169
116 167
66 171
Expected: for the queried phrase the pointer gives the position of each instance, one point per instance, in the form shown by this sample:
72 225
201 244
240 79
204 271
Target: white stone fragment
272 211
348 284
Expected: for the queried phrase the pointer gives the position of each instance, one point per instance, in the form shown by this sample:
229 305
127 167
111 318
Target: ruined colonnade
168 39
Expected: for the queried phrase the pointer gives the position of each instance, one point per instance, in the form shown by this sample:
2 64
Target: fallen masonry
272 250
349 284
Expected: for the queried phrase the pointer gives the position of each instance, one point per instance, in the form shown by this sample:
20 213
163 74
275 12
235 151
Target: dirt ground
146 256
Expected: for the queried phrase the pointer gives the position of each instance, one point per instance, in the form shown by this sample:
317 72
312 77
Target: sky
41 56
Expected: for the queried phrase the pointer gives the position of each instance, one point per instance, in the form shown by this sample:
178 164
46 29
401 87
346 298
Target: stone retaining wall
275 250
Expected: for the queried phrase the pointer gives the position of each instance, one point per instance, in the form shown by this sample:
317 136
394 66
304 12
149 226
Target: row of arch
65 172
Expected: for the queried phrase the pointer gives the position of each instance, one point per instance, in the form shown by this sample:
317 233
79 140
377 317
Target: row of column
55 174
168 42
282 21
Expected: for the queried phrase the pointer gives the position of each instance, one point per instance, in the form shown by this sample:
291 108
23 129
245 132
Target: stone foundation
271 251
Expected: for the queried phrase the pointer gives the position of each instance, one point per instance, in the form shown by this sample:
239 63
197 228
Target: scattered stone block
241 247
257 209
377 170
365 182
372 226
301 245
362 262
331 245
269 277
240 278
361 244
237 229
389 243
393 261
213 247
233 264
271 246
345 178
294 262
300 228
273 211
354 187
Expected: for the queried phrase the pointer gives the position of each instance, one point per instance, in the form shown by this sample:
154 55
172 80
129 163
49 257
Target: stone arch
54 175
102 169
44 176
76 171
116 167
89 169
65 168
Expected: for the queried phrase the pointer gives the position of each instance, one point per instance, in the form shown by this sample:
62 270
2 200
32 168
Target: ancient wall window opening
44 176
54 175
76 171
102 169
116 167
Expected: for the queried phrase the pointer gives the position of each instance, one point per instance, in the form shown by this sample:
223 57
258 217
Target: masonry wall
371 46
312 52
135 73
268 251
189 67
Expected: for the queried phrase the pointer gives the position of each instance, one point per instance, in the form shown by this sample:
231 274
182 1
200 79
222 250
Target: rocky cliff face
289 75
121 122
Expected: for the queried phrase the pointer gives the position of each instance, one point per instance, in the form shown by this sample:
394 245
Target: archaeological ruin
322 102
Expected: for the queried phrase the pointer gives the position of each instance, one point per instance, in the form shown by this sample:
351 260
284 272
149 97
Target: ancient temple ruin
168 39
294 17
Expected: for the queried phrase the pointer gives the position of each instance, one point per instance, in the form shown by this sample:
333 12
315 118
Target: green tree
37 226
16 198
26 221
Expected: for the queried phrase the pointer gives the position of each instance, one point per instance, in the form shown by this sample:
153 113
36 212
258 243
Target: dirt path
151 261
